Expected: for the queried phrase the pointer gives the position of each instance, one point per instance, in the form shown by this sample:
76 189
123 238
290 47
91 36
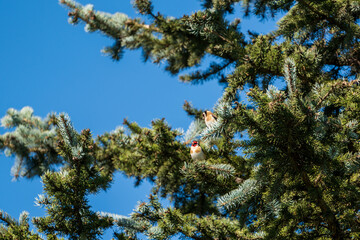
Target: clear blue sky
53 66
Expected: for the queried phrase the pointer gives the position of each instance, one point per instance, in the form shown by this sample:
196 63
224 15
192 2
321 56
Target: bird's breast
197 149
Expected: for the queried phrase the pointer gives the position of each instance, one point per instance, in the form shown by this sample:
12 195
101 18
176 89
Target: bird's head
204 114
194 143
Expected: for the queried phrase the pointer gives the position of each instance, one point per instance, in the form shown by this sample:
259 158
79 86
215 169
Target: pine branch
188 225
247 190
224 113
335 86
191 111
223 38
214 70
6 218
32 142
224 170
328 214
132 22
326 17
66 191
290 75
194 131
322 99
14 229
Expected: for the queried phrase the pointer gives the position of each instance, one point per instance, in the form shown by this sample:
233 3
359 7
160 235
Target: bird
196 152
209 118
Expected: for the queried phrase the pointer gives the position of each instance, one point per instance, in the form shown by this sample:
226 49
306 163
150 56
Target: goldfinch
209 118
196 151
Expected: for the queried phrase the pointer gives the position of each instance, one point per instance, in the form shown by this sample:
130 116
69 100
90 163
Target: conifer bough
285 164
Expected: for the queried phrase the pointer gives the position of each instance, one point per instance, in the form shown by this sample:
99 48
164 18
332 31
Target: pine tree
282 165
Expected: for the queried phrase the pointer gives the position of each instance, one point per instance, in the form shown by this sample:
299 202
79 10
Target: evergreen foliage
33 142
13 229
283 165
65 200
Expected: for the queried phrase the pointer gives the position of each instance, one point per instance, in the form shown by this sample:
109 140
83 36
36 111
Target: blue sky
53 66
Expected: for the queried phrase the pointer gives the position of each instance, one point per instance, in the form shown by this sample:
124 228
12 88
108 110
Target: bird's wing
215 117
